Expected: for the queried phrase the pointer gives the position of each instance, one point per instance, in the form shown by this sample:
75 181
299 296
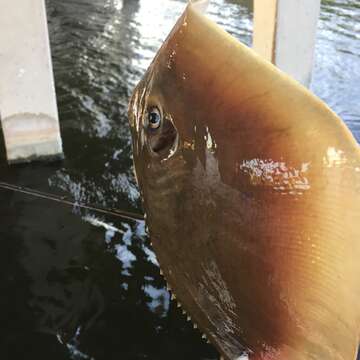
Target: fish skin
252 199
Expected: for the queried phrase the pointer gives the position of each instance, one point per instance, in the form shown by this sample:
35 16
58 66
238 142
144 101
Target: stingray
251 188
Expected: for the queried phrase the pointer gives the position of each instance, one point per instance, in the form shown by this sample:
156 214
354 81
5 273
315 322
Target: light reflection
210 143
118 4
150 14
160 299
277 175
110 229
334 157
85 190
73 347
126 257
243 357
141 232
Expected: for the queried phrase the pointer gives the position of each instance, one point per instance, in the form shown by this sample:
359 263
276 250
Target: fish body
251 188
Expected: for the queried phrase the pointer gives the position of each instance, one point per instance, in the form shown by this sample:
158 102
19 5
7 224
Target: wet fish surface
251 187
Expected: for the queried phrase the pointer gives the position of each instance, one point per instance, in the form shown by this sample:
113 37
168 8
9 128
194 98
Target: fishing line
63 200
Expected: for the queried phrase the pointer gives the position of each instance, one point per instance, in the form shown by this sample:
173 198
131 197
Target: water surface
80 285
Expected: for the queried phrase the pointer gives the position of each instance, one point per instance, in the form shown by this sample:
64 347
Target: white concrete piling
285 33
28 108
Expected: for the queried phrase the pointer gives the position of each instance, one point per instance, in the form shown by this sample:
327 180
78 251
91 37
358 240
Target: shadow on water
79 285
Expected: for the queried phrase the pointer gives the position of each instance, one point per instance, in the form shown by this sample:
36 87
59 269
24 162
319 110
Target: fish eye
154 118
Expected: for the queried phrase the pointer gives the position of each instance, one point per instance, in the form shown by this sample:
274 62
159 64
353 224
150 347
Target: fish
251 189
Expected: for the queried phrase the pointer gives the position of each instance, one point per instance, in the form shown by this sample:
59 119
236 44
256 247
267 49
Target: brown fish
251 186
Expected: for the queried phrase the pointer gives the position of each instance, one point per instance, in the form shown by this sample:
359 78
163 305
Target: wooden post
285 33
28 106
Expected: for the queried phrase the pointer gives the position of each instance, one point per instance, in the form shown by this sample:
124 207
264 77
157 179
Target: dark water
79 285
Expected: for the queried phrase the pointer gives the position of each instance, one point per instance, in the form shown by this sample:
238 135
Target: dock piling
285 34
28 108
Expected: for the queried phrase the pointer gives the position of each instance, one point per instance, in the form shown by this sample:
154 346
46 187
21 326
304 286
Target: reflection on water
76 285
337 73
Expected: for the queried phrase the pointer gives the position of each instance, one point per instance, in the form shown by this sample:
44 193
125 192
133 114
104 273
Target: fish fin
199 5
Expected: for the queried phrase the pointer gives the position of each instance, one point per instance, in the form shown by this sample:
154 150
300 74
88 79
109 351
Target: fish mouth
164 143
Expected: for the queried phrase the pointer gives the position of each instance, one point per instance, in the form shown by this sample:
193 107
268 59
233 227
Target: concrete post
285 33
28 106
